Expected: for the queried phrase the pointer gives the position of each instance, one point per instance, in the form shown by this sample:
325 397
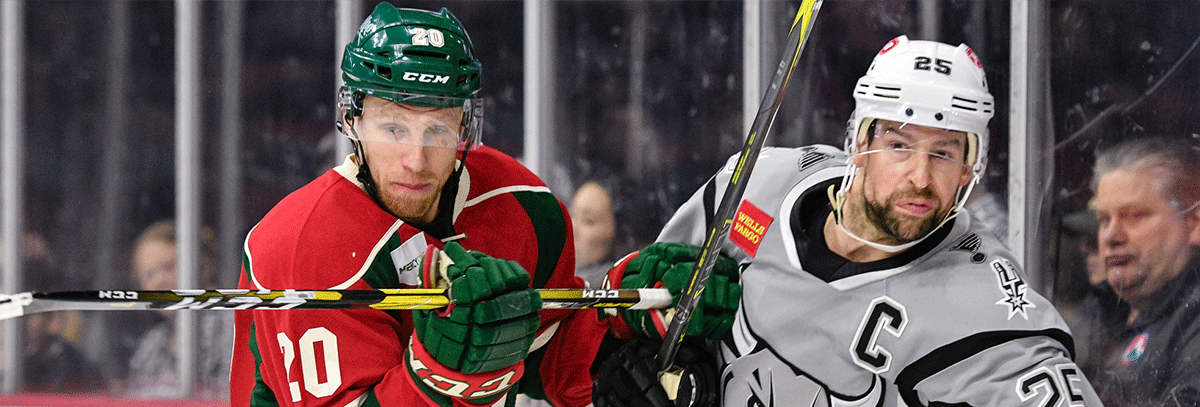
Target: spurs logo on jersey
761 379
1013 287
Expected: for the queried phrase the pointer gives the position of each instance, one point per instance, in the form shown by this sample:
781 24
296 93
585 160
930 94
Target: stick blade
13 306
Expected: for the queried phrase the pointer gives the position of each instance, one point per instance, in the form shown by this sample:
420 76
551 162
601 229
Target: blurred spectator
53 362
1147 193
595 225
152 369
594 222
1084 225
1090 306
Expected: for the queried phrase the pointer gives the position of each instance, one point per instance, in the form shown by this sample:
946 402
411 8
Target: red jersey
330 234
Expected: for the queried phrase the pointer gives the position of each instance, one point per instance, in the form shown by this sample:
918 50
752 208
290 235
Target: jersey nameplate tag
408 258
749 226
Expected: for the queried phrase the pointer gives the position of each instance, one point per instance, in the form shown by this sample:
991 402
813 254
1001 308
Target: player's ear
860 160
1191 220
966 178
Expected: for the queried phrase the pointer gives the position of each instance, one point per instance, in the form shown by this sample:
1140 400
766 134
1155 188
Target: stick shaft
383 299
723 218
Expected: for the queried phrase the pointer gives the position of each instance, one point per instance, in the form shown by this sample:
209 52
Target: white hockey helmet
926 83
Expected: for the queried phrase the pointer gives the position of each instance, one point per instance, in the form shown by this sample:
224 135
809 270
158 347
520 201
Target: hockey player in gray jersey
864 281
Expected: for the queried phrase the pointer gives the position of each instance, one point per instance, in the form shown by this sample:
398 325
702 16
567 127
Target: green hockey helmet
412 51
417 58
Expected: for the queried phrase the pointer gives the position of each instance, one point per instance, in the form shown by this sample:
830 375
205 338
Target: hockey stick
723 218
15 305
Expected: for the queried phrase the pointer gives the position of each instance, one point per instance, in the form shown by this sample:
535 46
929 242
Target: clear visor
410 119
948 152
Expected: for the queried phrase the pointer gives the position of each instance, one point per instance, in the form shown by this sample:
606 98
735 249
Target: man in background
1147 202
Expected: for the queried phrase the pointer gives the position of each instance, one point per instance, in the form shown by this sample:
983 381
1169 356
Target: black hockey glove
629 377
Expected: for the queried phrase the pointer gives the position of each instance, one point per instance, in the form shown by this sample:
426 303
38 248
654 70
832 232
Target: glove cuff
617 272
487 386
433 268
615 320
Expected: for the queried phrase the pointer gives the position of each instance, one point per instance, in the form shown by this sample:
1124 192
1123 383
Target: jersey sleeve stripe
550 228
962 349
391 232
511 189
261 394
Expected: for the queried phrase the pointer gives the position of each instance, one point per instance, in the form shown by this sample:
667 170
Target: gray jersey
950 321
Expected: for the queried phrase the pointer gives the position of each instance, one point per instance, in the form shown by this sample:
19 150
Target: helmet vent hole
383 71
908 112
966 104
427 54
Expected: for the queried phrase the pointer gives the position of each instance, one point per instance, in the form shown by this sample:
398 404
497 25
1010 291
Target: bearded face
899 226
411 152
909 180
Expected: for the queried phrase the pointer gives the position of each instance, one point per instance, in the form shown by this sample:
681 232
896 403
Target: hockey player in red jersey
864 280
418 178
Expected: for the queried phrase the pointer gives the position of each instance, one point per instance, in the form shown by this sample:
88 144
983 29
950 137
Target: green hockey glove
485 333
670 265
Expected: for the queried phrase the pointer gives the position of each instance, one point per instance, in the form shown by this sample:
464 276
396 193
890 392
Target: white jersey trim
859 280
348 169
358 401
249 259
789 201
374 252
543 338
342 286
505 190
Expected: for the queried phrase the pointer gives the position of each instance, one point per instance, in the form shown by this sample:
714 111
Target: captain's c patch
749 226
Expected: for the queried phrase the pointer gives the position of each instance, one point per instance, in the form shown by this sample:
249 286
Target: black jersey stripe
962 349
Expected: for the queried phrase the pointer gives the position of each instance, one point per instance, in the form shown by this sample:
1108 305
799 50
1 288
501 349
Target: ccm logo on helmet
425 78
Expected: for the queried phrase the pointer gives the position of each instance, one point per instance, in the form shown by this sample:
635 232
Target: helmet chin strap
364 171
838 201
